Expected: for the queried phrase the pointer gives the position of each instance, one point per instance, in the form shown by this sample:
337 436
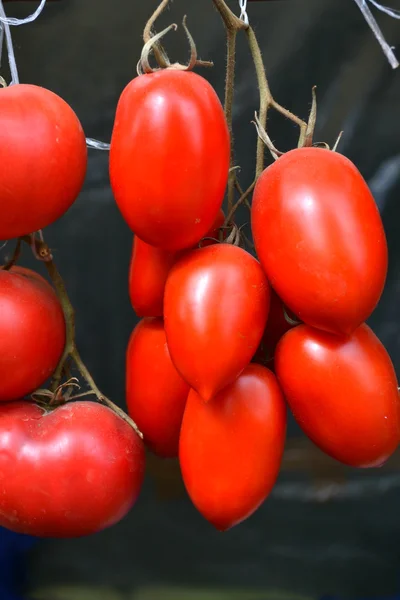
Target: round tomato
32 332
215 309
320 239
148 272
155 392
69 472
342 392
169 157
43 159
231 449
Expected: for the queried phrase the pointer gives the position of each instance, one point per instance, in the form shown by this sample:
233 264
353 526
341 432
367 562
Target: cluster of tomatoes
215 357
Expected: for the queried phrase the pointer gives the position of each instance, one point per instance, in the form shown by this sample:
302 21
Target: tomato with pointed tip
169 157
43 159
149 268
215 309
155 392
231 448
320 239
342 392
32 332
66 472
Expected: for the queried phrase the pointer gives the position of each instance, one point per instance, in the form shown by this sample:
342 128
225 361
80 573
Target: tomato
149 270
32 332
342 392
69 472
277 326
320 239
43 159
231 448
215 309
155 392
169 157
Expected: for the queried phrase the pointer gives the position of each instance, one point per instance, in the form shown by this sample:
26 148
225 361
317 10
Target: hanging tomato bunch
228 338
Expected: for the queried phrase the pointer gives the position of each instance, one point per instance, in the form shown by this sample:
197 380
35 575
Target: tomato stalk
233 25
43 253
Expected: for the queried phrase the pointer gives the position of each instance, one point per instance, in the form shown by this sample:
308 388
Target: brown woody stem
42 251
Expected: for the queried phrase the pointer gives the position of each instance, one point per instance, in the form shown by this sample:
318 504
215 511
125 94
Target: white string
29 19
392 12
369 17
5 23
243 11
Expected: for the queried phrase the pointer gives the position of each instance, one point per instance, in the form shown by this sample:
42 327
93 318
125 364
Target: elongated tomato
149 268
320 239
231 448
342 392
215 309
155 392
169 157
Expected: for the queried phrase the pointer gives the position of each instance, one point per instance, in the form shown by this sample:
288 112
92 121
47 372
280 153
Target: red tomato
320 238
277 326
342 392
32 332
231 449
155 392
43 159
69 472
169 157
215 309
149 270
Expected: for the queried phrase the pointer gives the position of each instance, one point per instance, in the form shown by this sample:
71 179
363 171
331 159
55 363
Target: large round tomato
32 332
43 159
215 309
169 157
231 448
155 392
342 392
149 268
68 472
320 239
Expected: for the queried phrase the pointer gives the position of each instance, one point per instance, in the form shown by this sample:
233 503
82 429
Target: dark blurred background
325 530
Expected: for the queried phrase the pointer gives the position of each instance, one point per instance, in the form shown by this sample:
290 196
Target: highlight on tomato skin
32 332
343 392
155 392
231 448
320 239
167 178
216 306
67 472
43 158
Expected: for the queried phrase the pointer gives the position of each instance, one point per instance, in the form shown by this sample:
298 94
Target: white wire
392 12
28 19
243 11
5 23
369 17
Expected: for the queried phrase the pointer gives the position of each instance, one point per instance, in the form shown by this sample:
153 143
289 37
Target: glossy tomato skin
215 309
169 157
149 268
32 332
43 158
155 392
342 392
231 448
320 239
67 473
